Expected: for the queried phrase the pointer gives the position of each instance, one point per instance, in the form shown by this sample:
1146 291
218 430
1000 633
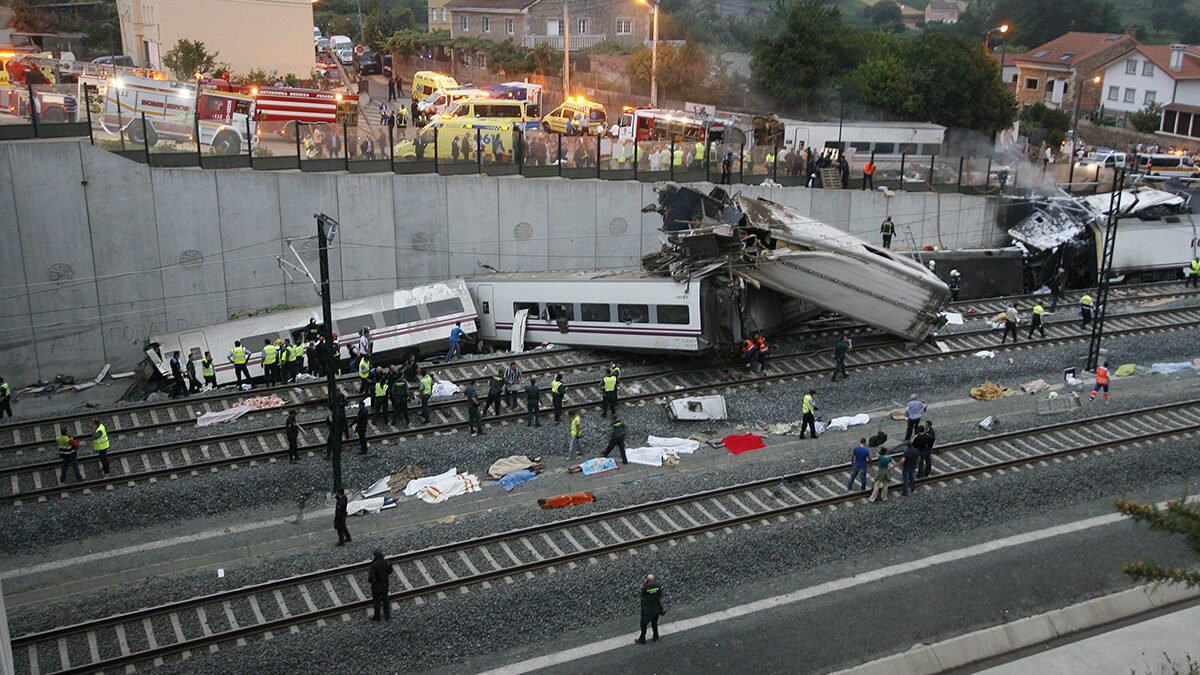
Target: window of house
1147 69
1013 79
583 26
1130 94
444 17
1131 67
463 25
1031 83
624 26
1149 97
509 26
552 27
433 14
1114 93
487 24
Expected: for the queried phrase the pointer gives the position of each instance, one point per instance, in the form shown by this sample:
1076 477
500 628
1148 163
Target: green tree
805 45
938 78
1148 119
1035 22
686 72
403 43
189 57
1178 518
1052 121
884 12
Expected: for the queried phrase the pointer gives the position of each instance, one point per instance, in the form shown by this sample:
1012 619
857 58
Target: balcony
556 41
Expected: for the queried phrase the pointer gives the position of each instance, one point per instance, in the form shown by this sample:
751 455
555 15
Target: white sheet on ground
518 330
360 507
451 487
843 423
684 445
953 318
647 456
417 483
1169 368
379 487
444 388
221 416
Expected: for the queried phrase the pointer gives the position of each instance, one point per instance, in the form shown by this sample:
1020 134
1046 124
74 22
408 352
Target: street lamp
1002 29
1075 130
653 53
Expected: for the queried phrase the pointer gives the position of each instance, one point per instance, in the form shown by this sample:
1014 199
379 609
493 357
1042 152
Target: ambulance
425 82
579 114
464 138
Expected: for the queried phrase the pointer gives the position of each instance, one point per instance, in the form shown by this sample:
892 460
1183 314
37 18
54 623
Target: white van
445 100
342 47
1104 159
1167 165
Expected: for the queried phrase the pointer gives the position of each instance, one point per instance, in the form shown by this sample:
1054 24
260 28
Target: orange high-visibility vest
1101 375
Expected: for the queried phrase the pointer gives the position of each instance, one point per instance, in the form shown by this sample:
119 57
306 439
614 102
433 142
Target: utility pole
326 230
358 7
566 53
654 62
1106 257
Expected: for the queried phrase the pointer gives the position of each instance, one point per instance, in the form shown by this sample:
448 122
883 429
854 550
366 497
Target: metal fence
178 137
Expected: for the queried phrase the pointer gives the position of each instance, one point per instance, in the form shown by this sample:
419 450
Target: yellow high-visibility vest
610 383
100 439
269 353
555 386
364 368
426 385
809 406
576 426
240 355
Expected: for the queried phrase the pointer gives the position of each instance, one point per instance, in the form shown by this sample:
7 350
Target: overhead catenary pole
1106 257
654 61
326 230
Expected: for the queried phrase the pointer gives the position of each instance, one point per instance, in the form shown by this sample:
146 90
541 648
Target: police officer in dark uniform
68 452
616 438
377 576
293 435
398 388
178 387
533 403
474 419
652 607
495 390
923 442
842 346
360 426
339 518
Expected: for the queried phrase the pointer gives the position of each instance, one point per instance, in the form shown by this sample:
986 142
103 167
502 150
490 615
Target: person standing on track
377 576
5 399
842 346
512 381
270 361
178 387
576 436
360 425
1194 272
474 419
955 285
763 351
1101 382
1086 304
1036 320
608 401
364 376
398 387
924 443
426 392
809 408
557 389
533 403
456 334
652 607
1011 317
339 518
883 475
495 393
100 445
292 430
209 370
68 452
859 457
913 412
193 381
616 439
750 353
379 402
908 468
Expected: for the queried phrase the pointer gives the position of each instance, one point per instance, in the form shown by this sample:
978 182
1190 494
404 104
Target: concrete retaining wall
100 252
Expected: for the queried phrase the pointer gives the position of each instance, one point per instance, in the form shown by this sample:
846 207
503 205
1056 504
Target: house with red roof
1050 73
1165 74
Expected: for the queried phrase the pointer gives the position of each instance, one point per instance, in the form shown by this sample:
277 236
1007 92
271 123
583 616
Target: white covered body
842 273
404 319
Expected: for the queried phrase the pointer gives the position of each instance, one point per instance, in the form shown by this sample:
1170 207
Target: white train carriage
404 319
609 309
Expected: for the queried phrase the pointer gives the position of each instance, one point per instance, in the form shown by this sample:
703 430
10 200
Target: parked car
117 60
322 45
368 63
343 48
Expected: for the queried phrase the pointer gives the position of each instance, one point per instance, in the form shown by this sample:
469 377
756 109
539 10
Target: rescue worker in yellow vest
616 371
426 392
609 401
100 444
1086 305
617 160
698 156
955 285
297 360
557 389
68 452
770 161
270 361
809 408
364 376
379 404
208 370
238 356
576 436
285 360
1036 320
887 229
677 155
5 398
1194 272
750 353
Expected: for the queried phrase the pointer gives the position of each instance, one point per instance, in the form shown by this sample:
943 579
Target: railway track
146 419
168 461
180 629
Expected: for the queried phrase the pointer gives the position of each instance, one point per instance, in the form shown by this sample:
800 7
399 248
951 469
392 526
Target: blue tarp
515 478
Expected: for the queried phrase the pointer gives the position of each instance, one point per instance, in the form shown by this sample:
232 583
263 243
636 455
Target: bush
1148 119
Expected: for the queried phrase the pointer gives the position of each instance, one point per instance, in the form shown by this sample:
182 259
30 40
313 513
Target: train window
403 315
591 311
556 311
633 313
445 307
861 146
676 314
255 343
931 148
531 306
908 148
885 148
352 325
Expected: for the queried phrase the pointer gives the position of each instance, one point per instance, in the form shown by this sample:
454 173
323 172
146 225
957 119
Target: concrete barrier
101 252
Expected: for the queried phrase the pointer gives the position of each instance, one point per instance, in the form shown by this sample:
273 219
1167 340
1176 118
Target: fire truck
277 110
224 120
656 124
67 77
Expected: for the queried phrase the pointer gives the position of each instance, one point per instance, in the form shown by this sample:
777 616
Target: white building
1146 74
275 35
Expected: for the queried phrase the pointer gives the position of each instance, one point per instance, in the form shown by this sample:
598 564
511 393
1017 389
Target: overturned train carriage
778 248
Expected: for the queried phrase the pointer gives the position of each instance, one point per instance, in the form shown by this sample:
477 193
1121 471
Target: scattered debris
448 520
122 376
990 392
240 408
987 354
1056 404
566 500
989 422
698 408
85 385
103 371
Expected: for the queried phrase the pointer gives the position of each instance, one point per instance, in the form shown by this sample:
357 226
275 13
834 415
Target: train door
192 343
487 316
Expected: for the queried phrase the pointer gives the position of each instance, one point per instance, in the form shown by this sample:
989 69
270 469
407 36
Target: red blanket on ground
744 443
566 500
